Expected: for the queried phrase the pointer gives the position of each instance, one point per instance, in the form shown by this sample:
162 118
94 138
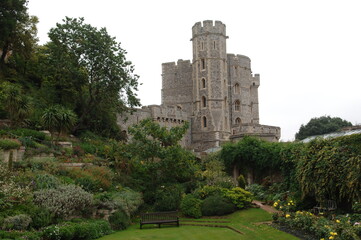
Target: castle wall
166 116
177 85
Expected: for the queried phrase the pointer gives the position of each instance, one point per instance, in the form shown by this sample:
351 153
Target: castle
216 92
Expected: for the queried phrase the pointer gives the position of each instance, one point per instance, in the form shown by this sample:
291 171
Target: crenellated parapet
239 60
208 27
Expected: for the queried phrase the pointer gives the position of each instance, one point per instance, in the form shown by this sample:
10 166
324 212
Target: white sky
306 51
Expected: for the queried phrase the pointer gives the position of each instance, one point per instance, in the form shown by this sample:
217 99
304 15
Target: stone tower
210 123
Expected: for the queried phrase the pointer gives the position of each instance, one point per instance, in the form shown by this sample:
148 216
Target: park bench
326 206
159 218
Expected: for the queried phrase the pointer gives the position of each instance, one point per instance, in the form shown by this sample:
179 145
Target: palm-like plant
58 119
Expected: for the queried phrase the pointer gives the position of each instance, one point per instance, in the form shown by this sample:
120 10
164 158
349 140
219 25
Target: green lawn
244 221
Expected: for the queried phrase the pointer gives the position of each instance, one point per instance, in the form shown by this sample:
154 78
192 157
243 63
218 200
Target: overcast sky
308 52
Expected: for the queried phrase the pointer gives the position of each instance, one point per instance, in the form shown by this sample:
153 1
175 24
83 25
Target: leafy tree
86 70
157 158
18 29
321 125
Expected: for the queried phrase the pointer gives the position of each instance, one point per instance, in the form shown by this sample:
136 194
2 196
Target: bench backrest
160 216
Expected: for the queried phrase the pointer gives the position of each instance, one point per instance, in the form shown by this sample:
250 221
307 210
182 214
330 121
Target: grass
244 221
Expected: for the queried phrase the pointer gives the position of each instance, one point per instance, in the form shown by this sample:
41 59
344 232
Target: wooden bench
159 218
327 206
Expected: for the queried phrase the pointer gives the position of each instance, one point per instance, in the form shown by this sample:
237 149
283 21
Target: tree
88 72
321 125
157 158
18 30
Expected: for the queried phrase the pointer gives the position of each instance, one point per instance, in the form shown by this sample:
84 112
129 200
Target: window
204 122
214 45
203 64
236 88
238 121
204 102
202 45
237 105
203 83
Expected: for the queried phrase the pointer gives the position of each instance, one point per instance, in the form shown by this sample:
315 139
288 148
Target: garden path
265 207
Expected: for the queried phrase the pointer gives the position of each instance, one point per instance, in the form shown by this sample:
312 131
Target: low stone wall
18 154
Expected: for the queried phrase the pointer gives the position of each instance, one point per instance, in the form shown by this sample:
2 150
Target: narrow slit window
203 64
204 101
204 122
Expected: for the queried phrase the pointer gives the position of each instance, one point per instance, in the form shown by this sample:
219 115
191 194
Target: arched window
236 88
204 102
237 106
238 121
203 83
204 122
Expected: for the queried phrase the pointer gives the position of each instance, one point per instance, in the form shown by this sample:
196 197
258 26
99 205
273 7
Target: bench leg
159 225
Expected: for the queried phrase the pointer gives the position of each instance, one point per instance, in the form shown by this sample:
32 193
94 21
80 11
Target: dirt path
265 207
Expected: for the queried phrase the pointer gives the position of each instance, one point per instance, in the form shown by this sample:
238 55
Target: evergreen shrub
241 181
119 220
217 206
17 222
238 196
168 198
191 206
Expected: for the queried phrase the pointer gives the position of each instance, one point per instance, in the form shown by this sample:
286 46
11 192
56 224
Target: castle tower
244 91
211 119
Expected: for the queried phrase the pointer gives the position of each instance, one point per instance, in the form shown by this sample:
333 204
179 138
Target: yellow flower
288 204
331 237
287 216
322 239
338 221
280 207
275 204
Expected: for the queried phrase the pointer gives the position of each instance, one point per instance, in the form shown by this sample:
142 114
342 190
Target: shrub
41 217
238 196
64 200
207 191
20 235
7 144
191 206
217 206
168 198
128 200
119 220
92 178
241 181
45 181
17 222
33 134
83 230
258 191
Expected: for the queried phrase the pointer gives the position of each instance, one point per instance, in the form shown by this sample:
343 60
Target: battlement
239 60
173 66
209 27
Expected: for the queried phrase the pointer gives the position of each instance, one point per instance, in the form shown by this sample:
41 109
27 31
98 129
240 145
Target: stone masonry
216 92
